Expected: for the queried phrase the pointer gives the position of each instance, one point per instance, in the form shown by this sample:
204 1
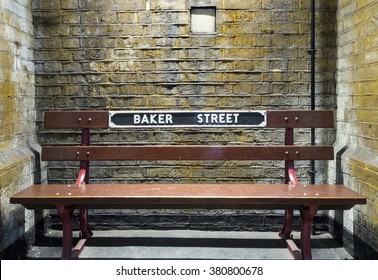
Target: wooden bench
288 196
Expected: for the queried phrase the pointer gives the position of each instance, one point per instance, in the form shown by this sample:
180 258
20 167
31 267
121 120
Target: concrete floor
178 244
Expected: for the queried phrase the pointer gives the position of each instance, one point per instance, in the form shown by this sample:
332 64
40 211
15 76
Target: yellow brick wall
135 55
17 115
357 118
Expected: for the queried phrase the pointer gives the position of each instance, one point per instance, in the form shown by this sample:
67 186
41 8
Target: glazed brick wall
357 121
17 116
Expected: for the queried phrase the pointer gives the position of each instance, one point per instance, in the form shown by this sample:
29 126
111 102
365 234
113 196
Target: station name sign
125 119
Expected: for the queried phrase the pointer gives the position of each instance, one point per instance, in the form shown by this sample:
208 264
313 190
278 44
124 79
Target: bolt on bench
288 196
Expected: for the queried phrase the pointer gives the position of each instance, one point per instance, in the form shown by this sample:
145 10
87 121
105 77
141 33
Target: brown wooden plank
114 196
275 119
302 118
76 119
293 249
60 153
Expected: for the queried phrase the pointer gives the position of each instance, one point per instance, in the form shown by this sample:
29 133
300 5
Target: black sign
119 119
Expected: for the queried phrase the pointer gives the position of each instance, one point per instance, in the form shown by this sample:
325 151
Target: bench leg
286 236
65 213
84 224
288 224
307 216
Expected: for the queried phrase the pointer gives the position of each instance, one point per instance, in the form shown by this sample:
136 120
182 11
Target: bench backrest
86 120
288 120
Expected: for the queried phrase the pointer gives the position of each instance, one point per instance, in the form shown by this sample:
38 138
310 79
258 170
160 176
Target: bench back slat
275 119
98 153
76 119
300 119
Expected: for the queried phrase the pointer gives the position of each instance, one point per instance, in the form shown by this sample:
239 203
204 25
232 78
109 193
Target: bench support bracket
288 225
307 215
65 212
84 225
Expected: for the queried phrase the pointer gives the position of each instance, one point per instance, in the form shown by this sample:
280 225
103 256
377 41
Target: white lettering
153 119
161 118
144 119
218 118
202 118
168 119
236 118
136 119
207 118
199 118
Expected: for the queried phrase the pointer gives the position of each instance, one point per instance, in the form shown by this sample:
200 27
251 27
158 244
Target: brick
243 28
240 5
89 18
166 17
127 17
71 43
168 5
46 4
243 16
107 17
280 4
70 4
53 67
71 19
108 66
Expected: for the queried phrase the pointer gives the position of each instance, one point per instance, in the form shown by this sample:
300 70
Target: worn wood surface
76 119
275 119
90 153
113 196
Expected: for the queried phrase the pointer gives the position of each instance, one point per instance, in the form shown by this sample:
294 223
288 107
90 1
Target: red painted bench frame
289 196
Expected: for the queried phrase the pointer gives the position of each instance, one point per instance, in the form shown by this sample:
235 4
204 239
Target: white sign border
113 112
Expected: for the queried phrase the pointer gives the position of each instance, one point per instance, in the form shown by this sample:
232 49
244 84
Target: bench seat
205 196
305 198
